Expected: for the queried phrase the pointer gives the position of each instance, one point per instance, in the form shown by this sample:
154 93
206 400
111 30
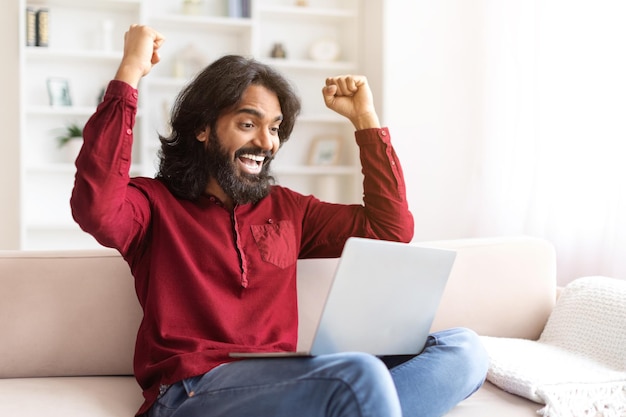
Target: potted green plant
71 139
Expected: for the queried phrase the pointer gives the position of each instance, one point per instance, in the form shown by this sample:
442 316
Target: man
213 245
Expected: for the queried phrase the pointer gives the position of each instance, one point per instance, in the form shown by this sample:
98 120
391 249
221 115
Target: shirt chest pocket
276 242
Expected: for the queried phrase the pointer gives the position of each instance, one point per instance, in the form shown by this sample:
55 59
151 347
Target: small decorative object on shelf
278 51
325 151
59 92
302 3
326 50
71 140
189 61
70 132
192 7
41 32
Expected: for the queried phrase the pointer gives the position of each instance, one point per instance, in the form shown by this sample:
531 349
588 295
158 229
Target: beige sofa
68 321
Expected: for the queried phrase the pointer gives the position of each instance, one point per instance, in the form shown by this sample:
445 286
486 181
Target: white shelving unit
82 51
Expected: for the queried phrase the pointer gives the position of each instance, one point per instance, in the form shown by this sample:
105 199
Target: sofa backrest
504 287
66 313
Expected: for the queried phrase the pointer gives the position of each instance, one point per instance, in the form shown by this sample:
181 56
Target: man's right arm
102 202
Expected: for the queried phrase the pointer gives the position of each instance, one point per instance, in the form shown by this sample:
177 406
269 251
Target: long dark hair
182 159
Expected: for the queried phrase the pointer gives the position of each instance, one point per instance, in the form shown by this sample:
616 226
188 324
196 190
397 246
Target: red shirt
212 281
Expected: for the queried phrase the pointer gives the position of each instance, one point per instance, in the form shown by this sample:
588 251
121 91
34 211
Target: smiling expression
247 138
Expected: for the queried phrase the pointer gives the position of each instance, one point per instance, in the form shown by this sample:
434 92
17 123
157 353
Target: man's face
241 148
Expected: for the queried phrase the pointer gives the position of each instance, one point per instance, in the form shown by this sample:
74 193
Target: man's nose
264 140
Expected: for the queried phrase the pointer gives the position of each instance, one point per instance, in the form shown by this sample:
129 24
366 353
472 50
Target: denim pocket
276 242
169 401
174 397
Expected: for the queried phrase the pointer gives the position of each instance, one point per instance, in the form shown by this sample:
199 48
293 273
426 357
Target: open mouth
250 163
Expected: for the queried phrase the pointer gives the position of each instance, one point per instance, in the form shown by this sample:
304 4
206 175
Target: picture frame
59 92
325 151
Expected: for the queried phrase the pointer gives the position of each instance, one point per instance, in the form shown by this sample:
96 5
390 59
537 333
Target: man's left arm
385 213
385 206
384 190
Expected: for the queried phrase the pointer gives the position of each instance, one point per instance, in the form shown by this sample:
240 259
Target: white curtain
553 159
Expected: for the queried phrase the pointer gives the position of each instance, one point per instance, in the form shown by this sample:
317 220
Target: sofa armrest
502 287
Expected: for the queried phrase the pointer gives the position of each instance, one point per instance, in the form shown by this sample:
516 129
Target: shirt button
270 221
383 132
129 131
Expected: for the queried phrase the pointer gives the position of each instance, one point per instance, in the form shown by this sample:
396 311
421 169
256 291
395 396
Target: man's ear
203 136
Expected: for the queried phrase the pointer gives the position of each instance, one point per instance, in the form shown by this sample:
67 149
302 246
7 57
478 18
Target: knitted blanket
578 365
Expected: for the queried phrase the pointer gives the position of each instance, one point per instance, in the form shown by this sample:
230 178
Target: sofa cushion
121 397
577 366
491 401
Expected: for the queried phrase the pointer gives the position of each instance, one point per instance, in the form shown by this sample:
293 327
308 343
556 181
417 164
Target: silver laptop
382 301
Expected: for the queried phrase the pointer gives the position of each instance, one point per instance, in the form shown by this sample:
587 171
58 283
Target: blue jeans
451 367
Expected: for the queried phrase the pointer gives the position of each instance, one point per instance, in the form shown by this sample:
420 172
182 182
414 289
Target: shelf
227 25
79 111
285 12
52 168
76 111
279 63
61 226
309 64
120 5
166 82
40 52
64 168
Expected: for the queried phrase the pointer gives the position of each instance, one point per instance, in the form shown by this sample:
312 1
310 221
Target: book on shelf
31 35
239 8
245 8
41 31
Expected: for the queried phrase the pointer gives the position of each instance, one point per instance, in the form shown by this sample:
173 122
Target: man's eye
247 125
274 130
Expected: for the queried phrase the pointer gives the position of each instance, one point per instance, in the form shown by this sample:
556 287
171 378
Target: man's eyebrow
256 113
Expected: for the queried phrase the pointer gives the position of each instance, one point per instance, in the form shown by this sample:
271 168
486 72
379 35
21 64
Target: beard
242 187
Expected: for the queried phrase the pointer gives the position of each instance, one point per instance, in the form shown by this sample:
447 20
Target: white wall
433 64
9 120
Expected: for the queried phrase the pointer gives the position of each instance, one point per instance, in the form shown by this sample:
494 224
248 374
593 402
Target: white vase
71 149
